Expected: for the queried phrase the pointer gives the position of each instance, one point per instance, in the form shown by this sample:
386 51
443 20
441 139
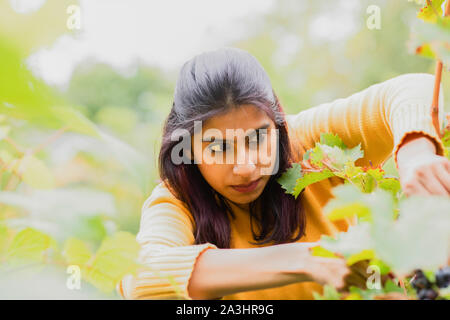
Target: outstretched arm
389 118
379 117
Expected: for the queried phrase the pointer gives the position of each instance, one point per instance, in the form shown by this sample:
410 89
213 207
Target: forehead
244 117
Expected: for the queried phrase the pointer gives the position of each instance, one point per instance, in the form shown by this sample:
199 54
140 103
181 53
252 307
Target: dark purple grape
420 281
427 294
443 277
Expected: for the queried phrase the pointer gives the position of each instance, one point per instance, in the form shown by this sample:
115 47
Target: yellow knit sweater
378 117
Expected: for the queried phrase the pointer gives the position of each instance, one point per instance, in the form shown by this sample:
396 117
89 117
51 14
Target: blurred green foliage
76 165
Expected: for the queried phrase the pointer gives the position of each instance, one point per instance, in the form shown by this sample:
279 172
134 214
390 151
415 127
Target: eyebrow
209 139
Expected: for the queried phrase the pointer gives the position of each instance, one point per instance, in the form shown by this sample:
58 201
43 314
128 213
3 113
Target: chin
245 198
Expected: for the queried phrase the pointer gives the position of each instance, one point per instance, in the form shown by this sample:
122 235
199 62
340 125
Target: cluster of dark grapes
425 289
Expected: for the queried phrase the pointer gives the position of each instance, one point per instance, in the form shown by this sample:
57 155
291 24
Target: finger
431 183
415 188
447 165
443 175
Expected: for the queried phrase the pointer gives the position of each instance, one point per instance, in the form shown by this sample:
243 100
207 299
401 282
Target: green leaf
391 185
332 140
384 269
390 286
317 155
310 178
288 179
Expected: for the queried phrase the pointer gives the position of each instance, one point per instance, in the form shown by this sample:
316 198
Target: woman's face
235 154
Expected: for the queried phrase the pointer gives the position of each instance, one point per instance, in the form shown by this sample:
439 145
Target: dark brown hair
210 84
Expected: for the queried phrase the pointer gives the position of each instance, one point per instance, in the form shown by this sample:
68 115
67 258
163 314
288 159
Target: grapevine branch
437 82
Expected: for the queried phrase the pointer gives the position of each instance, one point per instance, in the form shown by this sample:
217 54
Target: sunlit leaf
310 178
288 179
332 140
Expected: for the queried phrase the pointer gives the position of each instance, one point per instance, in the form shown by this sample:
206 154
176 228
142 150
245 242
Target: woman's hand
331 271
421 171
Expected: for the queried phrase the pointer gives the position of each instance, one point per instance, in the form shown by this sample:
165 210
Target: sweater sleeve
379 117
167 253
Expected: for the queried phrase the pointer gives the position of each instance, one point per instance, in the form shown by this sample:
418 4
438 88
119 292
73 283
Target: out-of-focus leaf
322 252
116 257
419 239
430 13
51 18
30 245
363 255
76 252
432 40
24 97
349 243
348 202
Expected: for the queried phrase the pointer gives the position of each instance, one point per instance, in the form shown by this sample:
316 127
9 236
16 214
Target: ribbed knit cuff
417 119
166 273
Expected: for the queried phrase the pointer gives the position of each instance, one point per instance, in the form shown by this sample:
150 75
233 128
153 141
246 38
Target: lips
244 188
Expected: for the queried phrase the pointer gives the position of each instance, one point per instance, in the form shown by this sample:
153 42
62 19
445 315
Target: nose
245 169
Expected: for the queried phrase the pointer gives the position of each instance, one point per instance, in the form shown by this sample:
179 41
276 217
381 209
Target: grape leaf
332 140
288 179
310 178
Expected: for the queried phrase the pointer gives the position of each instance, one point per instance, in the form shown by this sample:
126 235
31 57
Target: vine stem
437 82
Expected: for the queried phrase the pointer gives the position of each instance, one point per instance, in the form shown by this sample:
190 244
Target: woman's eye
218 147
256 139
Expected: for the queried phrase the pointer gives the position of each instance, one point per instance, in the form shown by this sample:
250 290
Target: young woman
228 230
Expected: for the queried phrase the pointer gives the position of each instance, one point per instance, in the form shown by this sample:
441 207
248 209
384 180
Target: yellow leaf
322 252
76 252
363 255
348 211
